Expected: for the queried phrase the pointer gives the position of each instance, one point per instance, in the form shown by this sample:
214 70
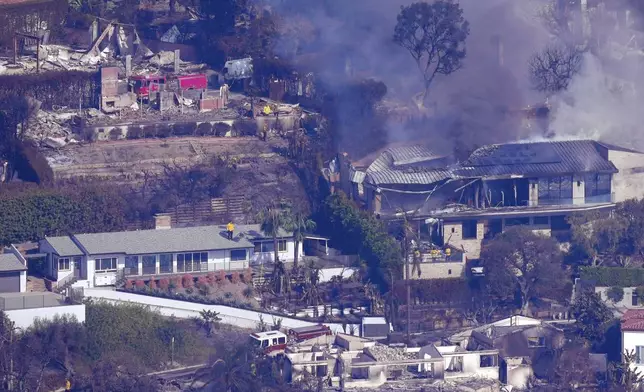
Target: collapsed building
356 362
461 205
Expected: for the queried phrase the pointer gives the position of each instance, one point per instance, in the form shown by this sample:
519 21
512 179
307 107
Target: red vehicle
303 333
273 342
143 85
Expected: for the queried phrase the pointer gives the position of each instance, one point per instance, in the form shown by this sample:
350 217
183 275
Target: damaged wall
29 17
65 88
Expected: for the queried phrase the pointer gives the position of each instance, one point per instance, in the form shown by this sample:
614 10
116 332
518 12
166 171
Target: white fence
233 316
24 318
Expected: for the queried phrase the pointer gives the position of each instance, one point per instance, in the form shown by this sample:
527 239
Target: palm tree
274 218
208 319
231 373
299 223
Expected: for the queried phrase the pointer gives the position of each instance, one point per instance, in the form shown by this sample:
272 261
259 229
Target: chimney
162 221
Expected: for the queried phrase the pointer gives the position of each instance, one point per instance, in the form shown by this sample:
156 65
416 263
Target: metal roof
9 262
385 169
552 157
172 240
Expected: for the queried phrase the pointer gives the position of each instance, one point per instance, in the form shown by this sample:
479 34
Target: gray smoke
478 104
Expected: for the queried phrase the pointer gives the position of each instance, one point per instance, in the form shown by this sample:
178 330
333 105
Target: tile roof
165 240
9 262
388 167
551 157
633 320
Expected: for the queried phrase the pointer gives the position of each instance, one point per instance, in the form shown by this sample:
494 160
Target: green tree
592 317
232 372
359 232
208 320
434 34
623 376
523 264
275 218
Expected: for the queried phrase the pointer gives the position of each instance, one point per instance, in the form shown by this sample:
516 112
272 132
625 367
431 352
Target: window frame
63 259
545 221
202 261
269 246
466 227
100 261
161 262
639 355
238 250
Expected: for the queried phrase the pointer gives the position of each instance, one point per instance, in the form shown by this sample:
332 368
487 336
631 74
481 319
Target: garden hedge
613 276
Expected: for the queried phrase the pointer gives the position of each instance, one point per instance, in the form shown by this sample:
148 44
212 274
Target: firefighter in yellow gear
230 228
68 385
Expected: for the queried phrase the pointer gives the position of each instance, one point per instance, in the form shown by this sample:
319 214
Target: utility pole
172 351
407 277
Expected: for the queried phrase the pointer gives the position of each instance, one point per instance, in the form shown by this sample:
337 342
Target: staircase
65 284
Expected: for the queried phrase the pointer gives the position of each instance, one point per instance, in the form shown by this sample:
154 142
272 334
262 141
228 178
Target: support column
174 263
157 264
139 264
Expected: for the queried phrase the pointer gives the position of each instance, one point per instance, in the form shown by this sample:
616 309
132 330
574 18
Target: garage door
9 282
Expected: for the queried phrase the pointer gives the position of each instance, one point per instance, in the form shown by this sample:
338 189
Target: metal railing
31 301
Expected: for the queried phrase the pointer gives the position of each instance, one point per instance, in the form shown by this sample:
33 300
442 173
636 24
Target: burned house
460 205
356 362
523 343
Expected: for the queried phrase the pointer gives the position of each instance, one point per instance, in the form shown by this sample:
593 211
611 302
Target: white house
101 259
633 336
13 272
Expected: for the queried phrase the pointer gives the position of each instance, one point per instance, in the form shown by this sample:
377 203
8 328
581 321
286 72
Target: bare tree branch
552 69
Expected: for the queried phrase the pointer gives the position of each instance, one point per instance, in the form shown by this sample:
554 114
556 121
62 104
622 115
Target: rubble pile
53 129
384 353
465 385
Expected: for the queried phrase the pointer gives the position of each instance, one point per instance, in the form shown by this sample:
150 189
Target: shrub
248 292
202 281
204 129
152 284
164 130
115 134
615 294
164 283
129 285
247 276
204 290
149 131
234 277
139 284
189 290
212 278
221 129
134 132
187 281
228 295
184 129
245 128
221 277
175 283
613 276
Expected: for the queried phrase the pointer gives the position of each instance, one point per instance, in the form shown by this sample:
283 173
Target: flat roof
9 262
200 238
374 320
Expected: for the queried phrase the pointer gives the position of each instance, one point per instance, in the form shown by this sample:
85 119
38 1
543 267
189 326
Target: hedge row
434 291
613 276
66 88
239 128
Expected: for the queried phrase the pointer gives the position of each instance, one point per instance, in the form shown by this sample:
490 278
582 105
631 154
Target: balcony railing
597 199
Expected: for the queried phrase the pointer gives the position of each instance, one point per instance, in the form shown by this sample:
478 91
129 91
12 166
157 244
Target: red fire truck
272 342
143 85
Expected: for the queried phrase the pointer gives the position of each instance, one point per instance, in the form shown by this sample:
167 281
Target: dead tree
552 69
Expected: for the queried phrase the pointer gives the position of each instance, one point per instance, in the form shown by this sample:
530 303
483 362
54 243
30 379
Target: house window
639 355
131 265
192 262
149 264
539 341
489 361
556 190
635 300
469 229
541 220
517 221
238 255
63 264
165 263
269 246
105 265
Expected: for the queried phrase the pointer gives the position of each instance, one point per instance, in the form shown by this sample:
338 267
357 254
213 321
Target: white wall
630 340
182 309
24 318
23 281
267 257
327 273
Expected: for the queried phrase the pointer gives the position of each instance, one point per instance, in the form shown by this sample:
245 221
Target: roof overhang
509 212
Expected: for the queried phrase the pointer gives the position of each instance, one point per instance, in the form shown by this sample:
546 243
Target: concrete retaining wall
24 318
233 316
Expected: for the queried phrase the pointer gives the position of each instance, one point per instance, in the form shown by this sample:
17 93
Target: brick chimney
162 221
